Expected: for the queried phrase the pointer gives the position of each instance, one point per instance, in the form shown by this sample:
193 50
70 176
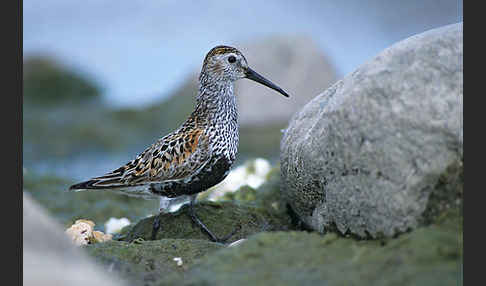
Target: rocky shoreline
368 192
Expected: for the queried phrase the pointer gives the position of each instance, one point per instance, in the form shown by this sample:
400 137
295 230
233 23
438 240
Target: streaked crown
221 50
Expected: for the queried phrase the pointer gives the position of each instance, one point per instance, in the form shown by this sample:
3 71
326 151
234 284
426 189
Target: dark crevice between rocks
295 220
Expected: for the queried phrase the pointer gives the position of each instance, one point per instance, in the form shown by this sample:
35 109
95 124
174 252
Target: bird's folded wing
173 157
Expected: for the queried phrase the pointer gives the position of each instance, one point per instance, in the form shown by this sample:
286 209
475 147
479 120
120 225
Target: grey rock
371 154
49 258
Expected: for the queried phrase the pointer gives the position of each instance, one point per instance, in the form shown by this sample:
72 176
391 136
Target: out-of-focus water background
104 79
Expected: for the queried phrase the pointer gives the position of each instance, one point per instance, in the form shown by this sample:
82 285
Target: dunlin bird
198 154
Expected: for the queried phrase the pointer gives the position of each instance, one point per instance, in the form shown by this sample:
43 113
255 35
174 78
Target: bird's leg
203 227
156 223
155 227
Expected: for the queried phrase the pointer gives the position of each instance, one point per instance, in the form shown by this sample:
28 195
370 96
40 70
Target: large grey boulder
381 151
49 258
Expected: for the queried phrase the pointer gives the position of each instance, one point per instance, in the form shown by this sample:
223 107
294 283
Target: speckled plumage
198 154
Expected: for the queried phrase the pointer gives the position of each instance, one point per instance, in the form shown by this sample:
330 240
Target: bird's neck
216 100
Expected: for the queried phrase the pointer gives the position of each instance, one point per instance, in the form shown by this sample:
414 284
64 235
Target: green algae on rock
429 255
221 217
146 262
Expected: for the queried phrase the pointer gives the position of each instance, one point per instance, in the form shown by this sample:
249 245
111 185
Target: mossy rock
146 262
222 218
430 255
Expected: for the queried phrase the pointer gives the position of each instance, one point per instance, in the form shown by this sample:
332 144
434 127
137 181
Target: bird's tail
86 185
138 190
109 181
114 181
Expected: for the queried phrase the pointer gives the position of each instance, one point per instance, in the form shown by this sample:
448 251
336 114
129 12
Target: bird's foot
138 240
225 238
205 229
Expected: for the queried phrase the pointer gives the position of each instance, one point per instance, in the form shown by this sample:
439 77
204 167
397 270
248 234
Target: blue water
140 51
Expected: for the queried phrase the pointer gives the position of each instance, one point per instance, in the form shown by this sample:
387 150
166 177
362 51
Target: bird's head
226 63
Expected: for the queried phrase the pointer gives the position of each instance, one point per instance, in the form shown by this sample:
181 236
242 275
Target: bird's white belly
168 205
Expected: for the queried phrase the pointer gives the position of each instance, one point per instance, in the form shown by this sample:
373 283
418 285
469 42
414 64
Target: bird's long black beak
253 75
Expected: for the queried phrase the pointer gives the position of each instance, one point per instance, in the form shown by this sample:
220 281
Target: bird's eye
231 59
